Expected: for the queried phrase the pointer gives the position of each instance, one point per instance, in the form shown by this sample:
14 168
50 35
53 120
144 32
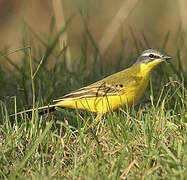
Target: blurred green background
143 24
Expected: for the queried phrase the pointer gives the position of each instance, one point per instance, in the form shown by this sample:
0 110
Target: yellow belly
133 92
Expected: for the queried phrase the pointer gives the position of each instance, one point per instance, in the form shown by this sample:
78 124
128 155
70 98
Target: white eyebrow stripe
147 54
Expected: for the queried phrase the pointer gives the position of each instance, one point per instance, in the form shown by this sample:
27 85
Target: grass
145 142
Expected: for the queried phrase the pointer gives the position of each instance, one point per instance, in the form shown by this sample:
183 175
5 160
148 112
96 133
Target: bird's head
151 58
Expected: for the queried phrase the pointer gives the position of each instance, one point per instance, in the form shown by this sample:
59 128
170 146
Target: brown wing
94 90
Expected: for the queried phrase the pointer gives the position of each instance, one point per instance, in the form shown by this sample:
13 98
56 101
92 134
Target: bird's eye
151 55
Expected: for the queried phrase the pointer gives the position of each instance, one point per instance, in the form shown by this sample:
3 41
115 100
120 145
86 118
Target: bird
122 89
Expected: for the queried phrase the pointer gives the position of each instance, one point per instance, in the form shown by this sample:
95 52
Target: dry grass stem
60 24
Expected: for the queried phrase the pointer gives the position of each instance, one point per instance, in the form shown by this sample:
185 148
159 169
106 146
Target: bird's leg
92 127
143 101
96 120
98 117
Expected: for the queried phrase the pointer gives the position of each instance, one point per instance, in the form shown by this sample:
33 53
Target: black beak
167 57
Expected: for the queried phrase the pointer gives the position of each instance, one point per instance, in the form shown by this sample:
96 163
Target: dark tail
41 110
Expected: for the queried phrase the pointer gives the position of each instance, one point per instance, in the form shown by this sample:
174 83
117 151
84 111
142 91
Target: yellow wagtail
124 88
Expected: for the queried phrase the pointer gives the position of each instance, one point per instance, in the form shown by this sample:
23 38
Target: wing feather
94 90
